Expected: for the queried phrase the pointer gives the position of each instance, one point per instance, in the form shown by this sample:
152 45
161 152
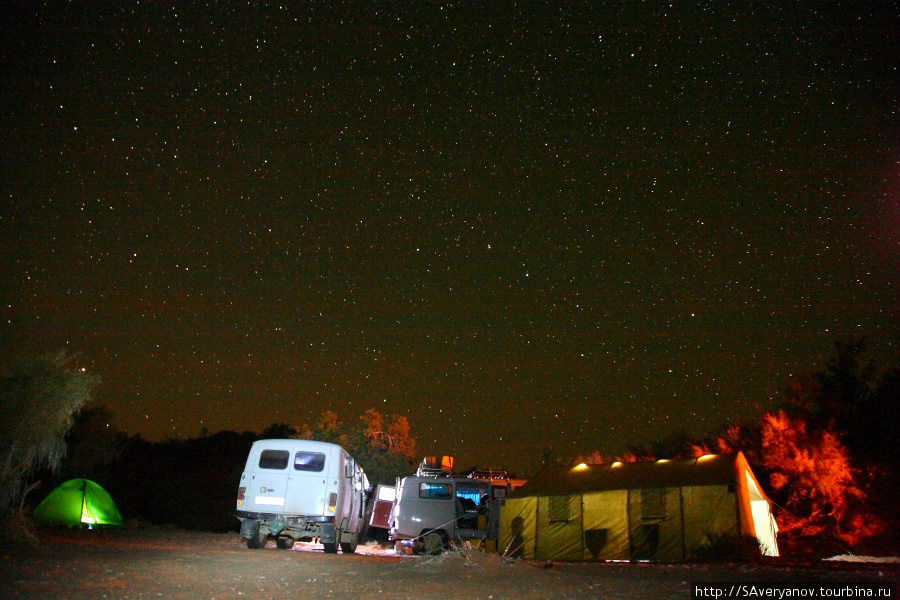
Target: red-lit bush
820 492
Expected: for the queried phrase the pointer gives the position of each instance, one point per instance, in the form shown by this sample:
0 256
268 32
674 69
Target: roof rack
432 467
489 474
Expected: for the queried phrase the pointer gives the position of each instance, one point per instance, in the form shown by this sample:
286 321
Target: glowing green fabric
79 502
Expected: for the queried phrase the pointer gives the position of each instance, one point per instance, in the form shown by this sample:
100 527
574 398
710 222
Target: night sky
523 226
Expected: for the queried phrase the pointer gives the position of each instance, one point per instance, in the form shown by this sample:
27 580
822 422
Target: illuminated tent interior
664 510
79 502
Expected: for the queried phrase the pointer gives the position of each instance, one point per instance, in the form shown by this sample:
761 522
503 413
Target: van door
306 484
347 497
268 482
384 504
429 504
357 489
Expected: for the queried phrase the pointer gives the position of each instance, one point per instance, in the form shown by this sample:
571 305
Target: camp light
86 517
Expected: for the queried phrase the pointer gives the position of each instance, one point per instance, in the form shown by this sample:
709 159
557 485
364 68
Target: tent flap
559 528
517 531
606 525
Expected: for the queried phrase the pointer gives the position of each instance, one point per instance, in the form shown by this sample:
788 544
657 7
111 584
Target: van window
274 459
435 490
309 461
472 494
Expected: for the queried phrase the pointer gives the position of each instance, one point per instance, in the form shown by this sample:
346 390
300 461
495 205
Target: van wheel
348 547
434 543
330 548
257 540
284 542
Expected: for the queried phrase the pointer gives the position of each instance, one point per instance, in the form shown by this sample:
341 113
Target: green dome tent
79 502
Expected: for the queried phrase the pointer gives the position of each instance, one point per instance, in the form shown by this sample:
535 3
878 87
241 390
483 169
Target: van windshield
309 461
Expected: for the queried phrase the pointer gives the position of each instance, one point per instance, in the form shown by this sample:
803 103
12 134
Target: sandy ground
165 563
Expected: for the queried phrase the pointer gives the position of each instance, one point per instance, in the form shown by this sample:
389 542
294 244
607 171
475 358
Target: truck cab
302 490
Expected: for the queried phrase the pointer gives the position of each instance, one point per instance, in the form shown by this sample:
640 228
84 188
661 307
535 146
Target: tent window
558 509
274 459
653 503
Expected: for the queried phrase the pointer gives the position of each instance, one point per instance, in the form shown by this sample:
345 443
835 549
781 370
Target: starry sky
523 226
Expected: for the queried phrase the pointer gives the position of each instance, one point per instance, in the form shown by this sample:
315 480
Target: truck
302 490
434 507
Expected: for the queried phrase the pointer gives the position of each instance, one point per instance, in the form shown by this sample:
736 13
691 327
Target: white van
302 490
446 506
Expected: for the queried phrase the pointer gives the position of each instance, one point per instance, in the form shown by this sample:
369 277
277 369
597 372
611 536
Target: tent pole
581 521
628 520
681 503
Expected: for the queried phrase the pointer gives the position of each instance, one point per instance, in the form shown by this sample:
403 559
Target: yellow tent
662 510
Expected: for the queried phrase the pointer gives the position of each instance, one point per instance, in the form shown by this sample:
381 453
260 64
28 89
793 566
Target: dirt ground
147 562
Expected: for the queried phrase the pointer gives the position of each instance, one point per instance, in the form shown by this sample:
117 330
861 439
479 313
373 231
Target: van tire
330 548
435 543
348 547
257 540
285 542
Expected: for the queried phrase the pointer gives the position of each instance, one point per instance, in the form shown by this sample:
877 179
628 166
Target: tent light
663 460
618 463
580 467
86 517
706 457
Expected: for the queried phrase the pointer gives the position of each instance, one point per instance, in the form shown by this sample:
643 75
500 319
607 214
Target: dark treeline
188 483
192 483
825 455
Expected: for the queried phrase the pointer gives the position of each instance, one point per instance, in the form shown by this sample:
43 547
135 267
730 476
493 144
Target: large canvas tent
79 502
662 510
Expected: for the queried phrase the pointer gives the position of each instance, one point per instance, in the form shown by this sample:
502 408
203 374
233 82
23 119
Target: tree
386 454
330 429
402 442
278 431
594 458
91 444
39 397
385 448
819 487
846 406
